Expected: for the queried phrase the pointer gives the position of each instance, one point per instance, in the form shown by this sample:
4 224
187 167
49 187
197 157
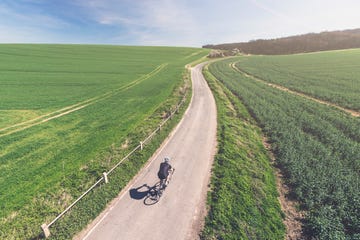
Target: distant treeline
311 42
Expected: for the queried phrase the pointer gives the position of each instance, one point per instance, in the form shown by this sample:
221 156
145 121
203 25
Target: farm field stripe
193 54
69 109
282 88
141 79
48 114
46 120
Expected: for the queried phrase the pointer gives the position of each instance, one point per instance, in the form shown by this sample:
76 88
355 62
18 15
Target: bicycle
157 190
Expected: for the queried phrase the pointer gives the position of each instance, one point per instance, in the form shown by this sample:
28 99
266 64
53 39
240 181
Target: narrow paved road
176 215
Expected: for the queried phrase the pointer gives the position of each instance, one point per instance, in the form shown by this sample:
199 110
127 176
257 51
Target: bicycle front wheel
152 197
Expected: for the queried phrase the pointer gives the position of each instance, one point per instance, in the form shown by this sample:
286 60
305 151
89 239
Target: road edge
201 211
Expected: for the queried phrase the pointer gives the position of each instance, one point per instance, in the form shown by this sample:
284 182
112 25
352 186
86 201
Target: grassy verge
243 198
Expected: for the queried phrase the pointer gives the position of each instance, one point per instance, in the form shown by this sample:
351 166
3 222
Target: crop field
243 200
316 146
62 108
329 76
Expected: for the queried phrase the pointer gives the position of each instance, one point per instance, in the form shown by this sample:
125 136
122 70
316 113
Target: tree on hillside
310 42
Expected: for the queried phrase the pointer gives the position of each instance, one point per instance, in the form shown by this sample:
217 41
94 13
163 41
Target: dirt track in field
351 112
78 106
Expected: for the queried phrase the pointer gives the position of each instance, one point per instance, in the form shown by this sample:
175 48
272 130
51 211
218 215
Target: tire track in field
75 107
282 88
193 54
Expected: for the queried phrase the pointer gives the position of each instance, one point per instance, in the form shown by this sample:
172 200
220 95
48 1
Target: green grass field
243 200
316 146
330 76
64 107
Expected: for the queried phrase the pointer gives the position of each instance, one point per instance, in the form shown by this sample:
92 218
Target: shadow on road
140 192
151 195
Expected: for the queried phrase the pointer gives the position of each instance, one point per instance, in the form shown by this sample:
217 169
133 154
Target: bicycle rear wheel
153 195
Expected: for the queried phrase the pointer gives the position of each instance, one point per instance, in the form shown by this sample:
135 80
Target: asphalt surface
191 148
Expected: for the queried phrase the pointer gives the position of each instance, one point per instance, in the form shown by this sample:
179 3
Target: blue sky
169 22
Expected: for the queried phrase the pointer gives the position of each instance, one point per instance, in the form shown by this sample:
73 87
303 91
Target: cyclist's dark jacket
164 170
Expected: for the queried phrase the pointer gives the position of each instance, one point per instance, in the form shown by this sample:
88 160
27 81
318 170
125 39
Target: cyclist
165 170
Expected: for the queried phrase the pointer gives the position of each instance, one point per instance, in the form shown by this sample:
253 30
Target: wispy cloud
269 10
23 35
15 15
149 22
109 12
169 22
168 15
23 24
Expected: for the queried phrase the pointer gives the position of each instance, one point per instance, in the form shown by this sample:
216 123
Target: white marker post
105 177
45 230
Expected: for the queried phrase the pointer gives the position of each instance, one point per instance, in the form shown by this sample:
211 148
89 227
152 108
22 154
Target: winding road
181 209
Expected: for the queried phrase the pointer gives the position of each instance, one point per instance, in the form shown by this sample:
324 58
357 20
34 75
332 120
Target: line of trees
311 42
